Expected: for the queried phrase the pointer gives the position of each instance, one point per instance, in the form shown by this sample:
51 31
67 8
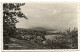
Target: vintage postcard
40 26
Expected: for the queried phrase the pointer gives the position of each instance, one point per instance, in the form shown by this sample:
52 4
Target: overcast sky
58 16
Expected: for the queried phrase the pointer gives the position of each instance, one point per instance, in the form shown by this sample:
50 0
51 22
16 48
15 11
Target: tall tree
10 12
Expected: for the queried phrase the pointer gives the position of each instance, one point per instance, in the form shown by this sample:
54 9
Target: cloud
49 15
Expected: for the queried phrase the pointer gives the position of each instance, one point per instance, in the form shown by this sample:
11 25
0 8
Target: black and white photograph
40 25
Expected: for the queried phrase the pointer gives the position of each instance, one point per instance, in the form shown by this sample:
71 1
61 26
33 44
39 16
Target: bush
67 40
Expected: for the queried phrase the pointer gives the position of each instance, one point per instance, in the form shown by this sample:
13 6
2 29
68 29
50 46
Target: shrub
67 40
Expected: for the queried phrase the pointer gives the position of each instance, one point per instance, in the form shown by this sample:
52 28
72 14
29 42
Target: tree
10 12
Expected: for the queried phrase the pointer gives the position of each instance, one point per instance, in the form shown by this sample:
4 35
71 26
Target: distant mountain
42 29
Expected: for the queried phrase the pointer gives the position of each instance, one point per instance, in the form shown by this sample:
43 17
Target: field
63 40
16 44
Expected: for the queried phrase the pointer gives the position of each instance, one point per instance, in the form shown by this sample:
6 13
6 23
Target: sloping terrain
23 44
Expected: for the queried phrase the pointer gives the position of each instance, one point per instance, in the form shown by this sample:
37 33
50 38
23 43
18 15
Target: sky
49 15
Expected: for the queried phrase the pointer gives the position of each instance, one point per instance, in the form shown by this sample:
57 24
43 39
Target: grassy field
24 44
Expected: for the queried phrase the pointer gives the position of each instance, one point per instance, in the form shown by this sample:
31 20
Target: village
31 35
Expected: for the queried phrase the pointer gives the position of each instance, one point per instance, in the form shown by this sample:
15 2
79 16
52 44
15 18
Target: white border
34 0
40 1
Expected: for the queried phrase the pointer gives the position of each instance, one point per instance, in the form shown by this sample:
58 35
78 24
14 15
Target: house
26 37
